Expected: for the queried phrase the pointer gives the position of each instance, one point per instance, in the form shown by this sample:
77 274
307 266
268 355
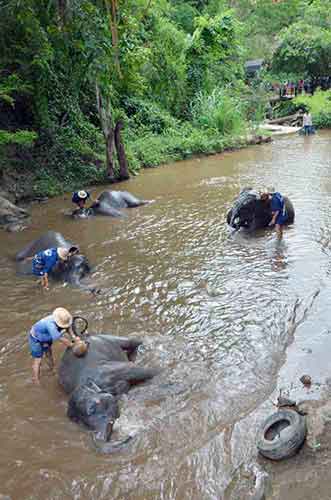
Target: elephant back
289 209
103 349
51 239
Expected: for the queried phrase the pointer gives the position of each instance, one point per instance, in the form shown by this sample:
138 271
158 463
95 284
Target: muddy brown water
214 309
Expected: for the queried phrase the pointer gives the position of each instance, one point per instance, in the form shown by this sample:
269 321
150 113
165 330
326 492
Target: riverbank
21 182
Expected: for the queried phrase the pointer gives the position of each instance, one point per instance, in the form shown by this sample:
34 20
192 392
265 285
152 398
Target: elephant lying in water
96 381
110 203
251 212
71 271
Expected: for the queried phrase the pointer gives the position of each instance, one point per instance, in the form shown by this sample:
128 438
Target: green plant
319 105
219 111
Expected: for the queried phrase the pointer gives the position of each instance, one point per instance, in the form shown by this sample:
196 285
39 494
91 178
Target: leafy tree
304 49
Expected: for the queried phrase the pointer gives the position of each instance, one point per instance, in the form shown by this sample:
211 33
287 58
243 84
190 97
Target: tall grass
219 111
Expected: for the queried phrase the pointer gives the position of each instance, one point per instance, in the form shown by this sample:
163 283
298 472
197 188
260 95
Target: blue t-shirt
46 330
76 198
44 261
278 205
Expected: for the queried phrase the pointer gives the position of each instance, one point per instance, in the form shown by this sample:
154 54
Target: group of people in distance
58 325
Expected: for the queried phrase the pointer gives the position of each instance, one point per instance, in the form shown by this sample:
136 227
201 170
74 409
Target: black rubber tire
228 216
288 441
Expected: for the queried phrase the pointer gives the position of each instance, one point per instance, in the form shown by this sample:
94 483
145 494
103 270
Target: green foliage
172 70
147 116
286 108
24 138
263 20
215 53
11 85
304 49
220 112
153 150
320 107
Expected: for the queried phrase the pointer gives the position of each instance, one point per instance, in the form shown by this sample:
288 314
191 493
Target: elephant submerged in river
96 381
251 212
71 271
110 203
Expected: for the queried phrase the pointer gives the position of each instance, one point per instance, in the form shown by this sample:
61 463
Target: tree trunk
104 109
62 7
123 163
110 155
288 118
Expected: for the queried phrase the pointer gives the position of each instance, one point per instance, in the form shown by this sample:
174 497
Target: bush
146 116
320 107
23 138
219 112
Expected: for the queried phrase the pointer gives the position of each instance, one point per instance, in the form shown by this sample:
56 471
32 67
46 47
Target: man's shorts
281 219
38 349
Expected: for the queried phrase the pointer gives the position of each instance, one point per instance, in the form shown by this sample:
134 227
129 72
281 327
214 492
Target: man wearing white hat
43 262
80 198
44 333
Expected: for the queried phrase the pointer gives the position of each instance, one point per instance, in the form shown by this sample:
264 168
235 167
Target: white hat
82 194
62 317
63 253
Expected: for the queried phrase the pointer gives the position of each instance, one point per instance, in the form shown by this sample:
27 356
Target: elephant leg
131 201
129 345
117 378
105 209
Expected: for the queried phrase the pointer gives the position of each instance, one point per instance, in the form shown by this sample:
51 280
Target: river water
215 309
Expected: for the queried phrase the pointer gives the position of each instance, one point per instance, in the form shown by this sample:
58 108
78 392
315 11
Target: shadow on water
220 312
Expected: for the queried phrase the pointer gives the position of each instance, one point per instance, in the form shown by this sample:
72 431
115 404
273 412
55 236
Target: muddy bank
307 475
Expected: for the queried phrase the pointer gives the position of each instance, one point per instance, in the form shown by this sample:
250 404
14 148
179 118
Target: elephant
71 271
96 381
250 212
110 203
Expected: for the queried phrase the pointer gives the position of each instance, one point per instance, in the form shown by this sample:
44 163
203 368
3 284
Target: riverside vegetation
92 89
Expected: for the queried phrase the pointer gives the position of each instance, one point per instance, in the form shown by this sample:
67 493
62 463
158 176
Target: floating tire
282 435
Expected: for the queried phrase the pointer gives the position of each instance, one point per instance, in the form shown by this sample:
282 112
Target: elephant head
72 270
95 409
249 211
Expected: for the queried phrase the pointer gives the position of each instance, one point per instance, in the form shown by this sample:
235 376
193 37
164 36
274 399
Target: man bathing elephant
46 331
253 210
53 255
108 203
96 381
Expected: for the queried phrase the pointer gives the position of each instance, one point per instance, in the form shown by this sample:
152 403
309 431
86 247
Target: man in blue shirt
80 198
278 210
43 262
44 333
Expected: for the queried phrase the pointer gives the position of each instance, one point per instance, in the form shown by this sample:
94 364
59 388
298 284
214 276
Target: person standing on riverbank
44 333
278 210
